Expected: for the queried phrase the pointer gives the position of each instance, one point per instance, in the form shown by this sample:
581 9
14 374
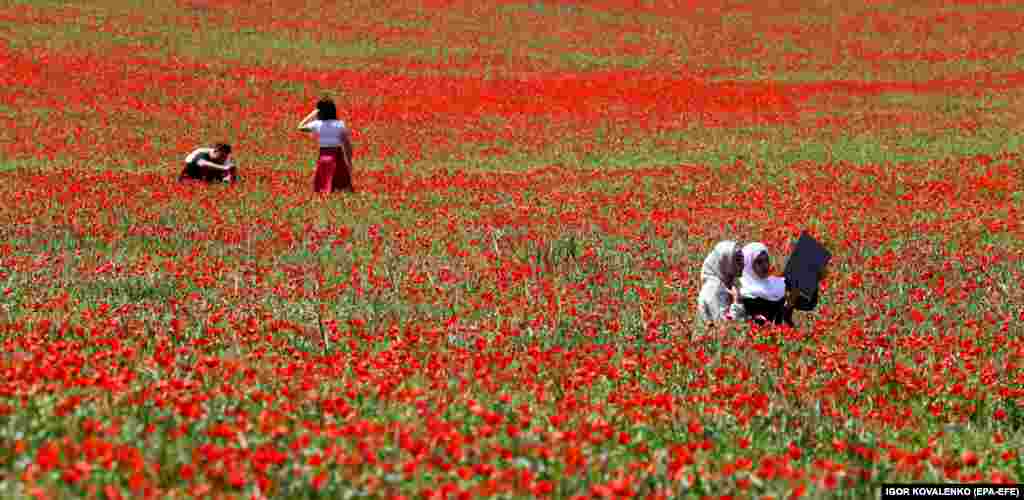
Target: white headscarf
720 265
771 288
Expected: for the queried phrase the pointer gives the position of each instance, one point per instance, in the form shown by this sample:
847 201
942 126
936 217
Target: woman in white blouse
334 164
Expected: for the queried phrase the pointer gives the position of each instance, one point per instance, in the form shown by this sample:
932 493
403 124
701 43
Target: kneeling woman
210 165
763 297
718 296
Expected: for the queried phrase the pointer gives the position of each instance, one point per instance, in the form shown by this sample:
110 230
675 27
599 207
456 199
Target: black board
803 269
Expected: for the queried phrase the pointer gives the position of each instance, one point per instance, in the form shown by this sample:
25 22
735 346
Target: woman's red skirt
332 173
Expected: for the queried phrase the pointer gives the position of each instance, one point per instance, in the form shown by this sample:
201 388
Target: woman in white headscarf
763 296
718 298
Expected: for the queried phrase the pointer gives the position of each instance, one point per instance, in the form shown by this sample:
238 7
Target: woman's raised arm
305 121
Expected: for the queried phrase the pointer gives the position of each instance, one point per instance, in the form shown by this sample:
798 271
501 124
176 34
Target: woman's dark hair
325 109
222 147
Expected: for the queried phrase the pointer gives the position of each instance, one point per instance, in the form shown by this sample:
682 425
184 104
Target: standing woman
334 165
719 297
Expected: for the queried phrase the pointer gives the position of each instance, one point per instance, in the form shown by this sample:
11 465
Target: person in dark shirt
210 165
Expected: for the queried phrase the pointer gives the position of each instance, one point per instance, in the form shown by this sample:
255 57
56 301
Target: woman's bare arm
210 164
305 121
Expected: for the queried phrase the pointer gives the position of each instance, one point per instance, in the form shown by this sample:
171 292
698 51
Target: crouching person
210 165
719 295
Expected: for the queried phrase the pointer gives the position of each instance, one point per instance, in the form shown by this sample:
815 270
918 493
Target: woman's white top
331 133
772 288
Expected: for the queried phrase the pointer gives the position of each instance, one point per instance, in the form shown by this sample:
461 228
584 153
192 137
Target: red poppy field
506 306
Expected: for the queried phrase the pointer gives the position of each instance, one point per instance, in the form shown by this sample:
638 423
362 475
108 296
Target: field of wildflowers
505 308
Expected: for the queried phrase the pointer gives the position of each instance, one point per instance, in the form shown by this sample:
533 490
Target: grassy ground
505 308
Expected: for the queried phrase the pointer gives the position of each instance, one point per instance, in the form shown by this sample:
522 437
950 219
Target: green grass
254 46
155 31
24 164
775 148
39 3
616 284
215 43
124 290
585 61
9 111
